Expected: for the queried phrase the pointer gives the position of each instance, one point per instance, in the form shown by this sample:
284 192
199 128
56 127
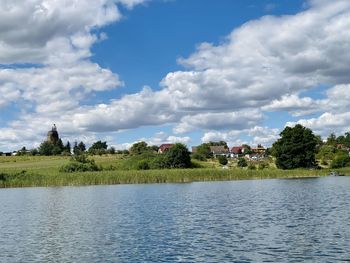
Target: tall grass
26 179
25 171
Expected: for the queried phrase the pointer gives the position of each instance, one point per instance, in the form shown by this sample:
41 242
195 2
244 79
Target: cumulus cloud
39 31
219 121
44 57
264 65
327 123
295 105
257 66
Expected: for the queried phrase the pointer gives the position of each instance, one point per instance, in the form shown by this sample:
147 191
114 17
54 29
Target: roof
237 149
218 149
165 146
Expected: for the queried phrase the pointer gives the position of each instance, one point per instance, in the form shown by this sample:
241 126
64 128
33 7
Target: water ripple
243 221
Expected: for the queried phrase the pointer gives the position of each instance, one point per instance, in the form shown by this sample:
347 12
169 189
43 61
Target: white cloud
40 31
219 121
261 62
327 123
264 64
295 105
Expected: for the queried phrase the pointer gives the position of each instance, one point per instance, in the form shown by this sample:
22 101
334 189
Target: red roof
165 147
237 150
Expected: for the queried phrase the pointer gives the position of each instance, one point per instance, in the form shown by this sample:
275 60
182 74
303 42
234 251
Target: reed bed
54 178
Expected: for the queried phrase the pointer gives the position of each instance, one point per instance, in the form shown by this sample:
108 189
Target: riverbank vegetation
26 171
46 171
298 153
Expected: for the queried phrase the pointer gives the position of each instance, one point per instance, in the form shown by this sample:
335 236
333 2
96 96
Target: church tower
52 136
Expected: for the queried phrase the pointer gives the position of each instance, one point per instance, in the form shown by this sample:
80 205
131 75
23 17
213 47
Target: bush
251 166
199 156
80 163
159 162
2 177
242 162
341 160
222 160
143 165
79 167
263 165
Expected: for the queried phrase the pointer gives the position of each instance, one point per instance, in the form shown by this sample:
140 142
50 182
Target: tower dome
52 136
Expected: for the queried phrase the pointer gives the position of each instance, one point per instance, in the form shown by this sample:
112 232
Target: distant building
260 149
219 150
237 150
52 136
194 149
164 147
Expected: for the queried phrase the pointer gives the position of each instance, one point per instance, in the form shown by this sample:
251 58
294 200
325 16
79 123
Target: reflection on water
243 221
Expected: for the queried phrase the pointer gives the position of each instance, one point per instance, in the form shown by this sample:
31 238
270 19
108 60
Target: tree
220 143
82 147
178 156
341 160
203 152
46 148
79 148
111 150
296 148
139 148
332 139
98 147
67 148
326 154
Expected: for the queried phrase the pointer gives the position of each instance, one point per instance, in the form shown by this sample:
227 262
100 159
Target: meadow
29 171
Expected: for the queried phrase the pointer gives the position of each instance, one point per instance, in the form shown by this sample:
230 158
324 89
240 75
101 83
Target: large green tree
178 156
296 148
98 147
139 148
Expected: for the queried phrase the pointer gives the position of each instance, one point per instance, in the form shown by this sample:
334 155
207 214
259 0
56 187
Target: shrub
222 160
341 160
242 162
80 163
251 166
2 177
263 165
199 156
143 165
79 167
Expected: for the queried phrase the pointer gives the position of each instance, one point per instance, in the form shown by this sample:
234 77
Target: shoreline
30 179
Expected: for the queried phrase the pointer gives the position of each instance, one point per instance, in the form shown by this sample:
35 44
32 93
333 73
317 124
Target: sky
166 71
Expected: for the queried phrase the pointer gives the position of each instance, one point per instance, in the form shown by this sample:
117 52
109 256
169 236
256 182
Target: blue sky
172 71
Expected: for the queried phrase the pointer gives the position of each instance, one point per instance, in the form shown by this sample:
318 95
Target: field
26 171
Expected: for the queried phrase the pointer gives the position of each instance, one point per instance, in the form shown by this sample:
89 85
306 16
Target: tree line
297 147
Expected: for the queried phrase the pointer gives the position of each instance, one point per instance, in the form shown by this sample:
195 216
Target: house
194 149
259 149
219 150
238 150
164 147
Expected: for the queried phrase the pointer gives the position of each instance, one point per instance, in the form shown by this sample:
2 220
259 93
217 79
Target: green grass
44 171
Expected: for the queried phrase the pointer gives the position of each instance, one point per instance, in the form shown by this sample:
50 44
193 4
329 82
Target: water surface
299 220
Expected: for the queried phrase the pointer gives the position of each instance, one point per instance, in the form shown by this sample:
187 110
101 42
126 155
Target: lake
290 220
